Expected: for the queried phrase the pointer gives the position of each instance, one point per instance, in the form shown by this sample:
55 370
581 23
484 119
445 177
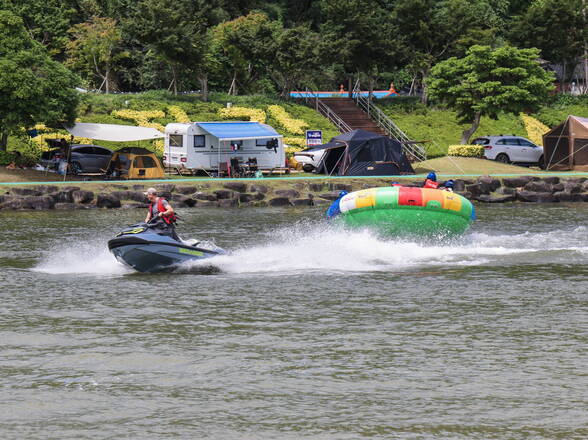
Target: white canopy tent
114 132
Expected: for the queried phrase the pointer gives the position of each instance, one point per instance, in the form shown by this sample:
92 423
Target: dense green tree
433 30
47 21
245 47
95 49
33 87
558 27
175 30
358 35
298 12
296 58
489 81
187 43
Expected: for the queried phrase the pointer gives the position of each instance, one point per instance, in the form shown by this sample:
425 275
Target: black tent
363 153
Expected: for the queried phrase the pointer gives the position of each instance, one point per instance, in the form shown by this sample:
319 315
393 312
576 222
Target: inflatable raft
403 210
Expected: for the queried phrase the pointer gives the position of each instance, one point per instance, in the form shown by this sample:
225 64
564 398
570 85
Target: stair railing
312 99
416 150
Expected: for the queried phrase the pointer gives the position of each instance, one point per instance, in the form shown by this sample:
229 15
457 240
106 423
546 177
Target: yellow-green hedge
177 113
465 150
253 114
291 125
535 129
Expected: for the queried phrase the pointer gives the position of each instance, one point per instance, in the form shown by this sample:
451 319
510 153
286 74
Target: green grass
440 127
98 108
468 165
421 123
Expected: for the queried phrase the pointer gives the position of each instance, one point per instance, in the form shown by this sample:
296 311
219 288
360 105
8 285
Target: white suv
511 149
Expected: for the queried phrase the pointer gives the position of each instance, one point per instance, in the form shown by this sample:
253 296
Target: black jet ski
149 247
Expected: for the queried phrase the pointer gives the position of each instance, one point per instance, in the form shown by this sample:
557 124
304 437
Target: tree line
273 46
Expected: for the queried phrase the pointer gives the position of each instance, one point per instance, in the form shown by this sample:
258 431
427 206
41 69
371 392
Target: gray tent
363 153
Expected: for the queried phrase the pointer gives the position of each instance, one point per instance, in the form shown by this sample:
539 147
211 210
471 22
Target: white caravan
205 145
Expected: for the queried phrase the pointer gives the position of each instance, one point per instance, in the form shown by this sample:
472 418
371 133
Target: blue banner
314 137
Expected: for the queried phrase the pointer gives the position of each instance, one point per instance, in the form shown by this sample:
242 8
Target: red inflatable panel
410 196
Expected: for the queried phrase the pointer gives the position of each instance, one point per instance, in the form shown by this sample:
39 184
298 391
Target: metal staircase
312 99
416 150
359 112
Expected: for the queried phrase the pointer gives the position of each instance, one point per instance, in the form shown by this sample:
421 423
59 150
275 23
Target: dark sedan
83 158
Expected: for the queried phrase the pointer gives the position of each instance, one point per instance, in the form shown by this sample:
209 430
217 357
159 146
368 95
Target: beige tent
566 145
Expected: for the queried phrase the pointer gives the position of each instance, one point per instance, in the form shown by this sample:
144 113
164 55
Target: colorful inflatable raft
405 210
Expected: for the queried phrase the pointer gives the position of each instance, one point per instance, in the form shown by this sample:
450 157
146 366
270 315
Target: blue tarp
239 130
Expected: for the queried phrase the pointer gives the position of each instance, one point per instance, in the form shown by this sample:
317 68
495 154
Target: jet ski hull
151 252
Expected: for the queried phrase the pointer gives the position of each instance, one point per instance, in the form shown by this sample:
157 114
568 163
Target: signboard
314 137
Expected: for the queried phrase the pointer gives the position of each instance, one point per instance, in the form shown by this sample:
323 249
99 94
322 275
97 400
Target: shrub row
465 150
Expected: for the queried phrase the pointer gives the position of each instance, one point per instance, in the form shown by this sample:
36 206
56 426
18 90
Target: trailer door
176 151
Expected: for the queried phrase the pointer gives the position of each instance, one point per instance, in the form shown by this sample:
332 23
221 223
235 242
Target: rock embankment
531 189
486 189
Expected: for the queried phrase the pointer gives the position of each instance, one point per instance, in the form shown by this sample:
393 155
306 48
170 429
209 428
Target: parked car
83 158
309 158
511 149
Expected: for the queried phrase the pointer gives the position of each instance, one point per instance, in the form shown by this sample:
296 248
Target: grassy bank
440 126
454 166
157 108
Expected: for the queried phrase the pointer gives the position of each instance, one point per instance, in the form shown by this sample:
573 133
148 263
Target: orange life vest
169 219
431 184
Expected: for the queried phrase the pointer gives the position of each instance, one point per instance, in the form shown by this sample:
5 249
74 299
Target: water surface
303 331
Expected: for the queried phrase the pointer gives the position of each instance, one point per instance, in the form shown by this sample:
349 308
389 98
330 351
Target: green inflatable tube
401 210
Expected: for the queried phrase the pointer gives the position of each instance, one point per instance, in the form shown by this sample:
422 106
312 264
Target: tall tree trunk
175 77
233 87
204 86
425 97
285 89
3 141
107 80
467 134
412 85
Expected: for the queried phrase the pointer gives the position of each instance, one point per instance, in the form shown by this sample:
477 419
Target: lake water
304 331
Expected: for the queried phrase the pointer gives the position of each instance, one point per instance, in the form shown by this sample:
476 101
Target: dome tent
363 153
135 163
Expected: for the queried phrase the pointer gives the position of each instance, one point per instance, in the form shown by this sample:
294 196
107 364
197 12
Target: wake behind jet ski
151 247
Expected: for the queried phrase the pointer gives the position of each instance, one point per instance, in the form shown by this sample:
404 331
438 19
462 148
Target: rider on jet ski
161 213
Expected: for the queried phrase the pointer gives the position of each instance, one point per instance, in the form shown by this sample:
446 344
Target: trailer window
176 140
261 142
199 141
236 145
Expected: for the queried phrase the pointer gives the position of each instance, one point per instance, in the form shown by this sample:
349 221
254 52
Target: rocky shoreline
235 194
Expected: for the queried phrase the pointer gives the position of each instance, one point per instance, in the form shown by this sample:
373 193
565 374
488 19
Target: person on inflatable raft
431 182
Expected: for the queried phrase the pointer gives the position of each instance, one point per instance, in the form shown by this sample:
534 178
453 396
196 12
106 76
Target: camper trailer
213 146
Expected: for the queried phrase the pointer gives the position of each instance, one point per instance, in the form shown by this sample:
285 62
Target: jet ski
149 247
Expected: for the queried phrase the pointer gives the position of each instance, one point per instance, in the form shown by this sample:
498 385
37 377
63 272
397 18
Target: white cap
150 191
